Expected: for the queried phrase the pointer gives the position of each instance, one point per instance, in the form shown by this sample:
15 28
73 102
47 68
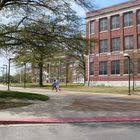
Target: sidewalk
74 107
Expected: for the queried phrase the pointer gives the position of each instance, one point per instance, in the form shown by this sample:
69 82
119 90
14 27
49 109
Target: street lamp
9 73
127 55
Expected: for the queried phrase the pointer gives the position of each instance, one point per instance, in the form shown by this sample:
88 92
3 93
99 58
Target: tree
78 51
36 31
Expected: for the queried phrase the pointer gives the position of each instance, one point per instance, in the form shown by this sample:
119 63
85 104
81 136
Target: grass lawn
82 88
102 89
10 99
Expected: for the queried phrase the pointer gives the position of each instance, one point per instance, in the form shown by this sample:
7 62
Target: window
92 47
139 41
91 68
138 17
103 46
115 67
115 44
103 24
103 68
138 65
126 66
91 27
128 42
115 22
128 19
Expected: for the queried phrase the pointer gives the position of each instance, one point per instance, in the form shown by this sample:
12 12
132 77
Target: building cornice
114 8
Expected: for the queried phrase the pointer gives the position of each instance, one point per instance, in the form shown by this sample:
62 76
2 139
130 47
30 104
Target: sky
98 5
106 3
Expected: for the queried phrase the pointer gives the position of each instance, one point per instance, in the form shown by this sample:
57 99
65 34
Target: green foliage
42 28
22 95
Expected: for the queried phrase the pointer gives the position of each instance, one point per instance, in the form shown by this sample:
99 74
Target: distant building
117 29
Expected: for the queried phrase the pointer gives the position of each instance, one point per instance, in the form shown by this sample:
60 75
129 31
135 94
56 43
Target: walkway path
70 106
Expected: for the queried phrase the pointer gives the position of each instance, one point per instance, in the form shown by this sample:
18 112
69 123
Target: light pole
127 55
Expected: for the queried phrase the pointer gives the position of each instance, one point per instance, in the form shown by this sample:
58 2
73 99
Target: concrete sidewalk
73 107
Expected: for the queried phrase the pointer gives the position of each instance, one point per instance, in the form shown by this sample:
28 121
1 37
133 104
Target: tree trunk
40 74
33 74
67 71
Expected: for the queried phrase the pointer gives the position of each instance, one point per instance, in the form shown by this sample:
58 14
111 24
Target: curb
69 120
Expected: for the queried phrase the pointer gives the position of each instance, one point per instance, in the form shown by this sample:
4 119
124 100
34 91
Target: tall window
116 44
115 22
138 65
128 42
91 27
103 68
103 46
103 24
139 41
138 17
92 47
128 19
126 66
115 67
91 68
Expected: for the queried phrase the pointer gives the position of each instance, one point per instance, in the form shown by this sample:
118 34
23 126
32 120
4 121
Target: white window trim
115 29
115 74
128 26
103 31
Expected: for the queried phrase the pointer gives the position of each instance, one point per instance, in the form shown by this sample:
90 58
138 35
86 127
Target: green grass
82 88
7 99
22 95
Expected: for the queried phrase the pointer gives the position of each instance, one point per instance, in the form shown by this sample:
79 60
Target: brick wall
97 57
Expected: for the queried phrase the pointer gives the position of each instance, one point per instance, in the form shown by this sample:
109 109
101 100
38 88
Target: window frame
91 68
103 46
138 65
129 44
138 17
103 68
115 68
115 44
128 19
103 24
138 41
115 23
92 27
126 61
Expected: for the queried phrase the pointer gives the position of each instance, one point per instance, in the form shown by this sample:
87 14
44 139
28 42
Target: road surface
83 131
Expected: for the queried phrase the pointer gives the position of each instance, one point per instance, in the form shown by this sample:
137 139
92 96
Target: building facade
116 30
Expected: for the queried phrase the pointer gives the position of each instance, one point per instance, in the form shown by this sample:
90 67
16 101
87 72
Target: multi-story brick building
117 31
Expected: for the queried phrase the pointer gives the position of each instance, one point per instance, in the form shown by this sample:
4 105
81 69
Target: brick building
117 31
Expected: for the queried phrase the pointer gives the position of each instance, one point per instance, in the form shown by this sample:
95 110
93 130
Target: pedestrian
58 85
54 85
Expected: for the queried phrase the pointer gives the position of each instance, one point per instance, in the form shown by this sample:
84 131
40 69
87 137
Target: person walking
54 85
58 85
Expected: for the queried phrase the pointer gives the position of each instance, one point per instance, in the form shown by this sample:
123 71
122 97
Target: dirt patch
6 104
103 105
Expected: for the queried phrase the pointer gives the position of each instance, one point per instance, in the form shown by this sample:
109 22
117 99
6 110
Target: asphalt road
92 131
